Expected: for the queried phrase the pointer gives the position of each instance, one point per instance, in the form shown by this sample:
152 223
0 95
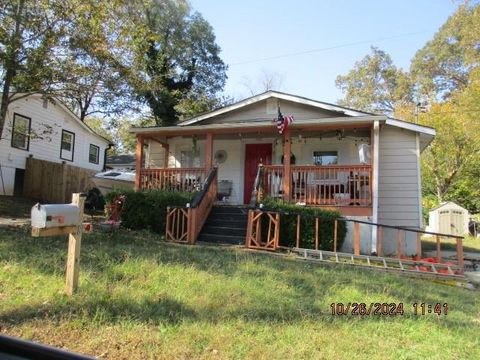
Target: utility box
54 215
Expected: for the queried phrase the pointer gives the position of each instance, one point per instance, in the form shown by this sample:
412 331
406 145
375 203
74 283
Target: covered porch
325 165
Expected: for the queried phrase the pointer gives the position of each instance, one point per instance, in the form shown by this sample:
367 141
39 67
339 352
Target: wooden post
277 230
419 245
335 234
298 231
379 240
316 233
400 238
460 254
249 228
74 244
287 171
138 161
356 238
209 152
439 254
165 161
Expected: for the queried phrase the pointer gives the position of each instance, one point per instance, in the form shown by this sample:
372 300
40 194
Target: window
325 157
67 146
21 132
189 160
93 154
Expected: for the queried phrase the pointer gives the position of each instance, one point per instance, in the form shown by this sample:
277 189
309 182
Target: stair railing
184 223
258 187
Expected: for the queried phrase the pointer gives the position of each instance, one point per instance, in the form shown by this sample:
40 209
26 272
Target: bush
288 225
148 210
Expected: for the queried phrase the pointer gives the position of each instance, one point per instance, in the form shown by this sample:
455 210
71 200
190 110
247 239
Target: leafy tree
375 84
30 32
173 58
444 64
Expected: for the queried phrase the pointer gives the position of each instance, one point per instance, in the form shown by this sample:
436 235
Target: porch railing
179 179
184 223
337 185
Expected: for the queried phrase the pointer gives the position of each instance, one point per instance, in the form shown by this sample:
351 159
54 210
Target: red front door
254 155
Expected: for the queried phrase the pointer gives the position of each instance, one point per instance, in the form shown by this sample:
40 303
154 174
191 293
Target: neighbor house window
68 145
21 132
93 154
325 157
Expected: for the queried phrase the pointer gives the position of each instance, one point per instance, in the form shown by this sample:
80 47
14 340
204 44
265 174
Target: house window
21 131
93 154
67 146
325 157
189 160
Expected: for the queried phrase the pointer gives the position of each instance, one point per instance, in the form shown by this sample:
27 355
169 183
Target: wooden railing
271 238
338 185
179 179
183 224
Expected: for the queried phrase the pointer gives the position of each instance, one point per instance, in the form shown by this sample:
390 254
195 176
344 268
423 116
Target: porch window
325 158
189 160
67 146
20 132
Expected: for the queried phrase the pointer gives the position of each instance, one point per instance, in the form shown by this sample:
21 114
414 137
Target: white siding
46 125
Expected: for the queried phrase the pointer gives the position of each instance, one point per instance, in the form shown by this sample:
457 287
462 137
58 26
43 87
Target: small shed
448 218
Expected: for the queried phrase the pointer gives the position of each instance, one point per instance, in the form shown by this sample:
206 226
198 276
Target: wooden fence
54 182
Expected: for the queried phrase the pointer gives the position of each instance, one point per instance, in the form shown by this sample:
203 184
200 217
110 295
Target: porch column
138 161
166 149
287 171
209 152
374 188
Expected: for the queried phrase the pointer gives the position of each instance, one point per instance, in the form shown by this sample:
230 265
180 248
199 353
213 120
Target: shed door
254 155
456 221
444 222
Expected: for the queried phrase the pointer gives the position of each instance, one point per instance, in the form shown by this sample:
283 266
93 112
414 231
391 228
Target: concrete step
222 239
223 230
229 210
235 224
228 216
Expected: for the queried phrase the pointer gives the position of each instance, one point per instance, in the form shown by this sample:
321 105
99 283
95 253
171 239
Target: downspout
105 156
376 152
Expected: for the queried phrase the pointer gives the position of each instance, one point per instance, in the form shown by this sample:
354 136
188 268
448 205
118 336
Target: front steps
225 225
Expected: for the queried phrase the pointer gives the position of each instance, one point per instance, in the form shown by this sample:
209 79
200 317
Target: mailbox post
53 220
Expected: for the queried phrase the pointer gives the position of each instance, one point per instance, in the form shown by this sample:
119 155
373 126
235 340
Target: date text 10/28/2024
388 309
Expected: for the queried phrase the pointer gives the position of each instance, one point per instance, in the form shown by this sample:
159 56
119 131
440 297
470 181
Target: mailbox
54 215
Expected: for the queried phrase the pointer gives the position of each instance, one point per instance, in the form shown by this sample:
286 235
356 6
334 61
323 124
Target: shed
448 218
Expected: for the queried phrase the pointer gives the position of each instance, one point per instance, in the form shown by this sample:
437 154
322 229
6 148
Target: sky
307 43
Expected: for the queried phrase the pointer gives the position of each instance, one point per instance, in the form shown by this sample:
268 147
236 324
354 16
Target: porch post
165 160
287 171
209 152
374 187
138 161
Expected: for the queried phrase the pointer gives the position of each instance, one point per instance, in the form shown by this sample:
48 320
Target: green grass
140 298
470 244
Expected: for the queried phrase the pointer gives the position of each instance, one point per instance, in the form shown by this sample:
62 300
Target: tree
30 31
266 81
375 84
443 65
174 58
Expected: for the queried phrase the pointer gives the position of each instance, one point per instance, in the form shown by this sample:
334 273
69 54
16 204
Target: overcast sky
308 43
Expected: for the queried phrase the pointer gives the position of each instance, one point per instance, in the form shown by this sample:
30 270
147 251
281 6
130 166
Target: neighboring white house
45 130
329 167
123 161
448 218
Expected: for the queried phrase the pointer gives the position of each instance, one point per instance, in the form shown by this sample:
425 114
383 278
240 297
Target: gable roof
445 203
344 111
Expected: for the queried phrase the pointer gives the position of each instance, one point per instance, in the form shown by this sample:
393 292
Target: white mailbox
54 215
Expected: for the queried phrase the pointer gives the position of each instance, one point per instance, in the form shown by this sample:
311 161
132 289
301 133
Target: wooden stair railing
184 223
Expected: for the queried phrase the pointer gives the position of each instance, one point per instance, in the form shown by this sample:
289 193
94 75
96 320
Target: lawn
141 298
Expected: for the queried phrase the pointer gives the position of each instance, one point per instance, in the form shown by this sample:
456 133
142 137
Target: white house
364 165
45 130
449 218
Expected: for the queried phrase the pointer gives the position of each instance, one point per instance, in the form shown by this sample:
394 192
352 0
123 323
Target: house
449 218
45 130
124 161
364 165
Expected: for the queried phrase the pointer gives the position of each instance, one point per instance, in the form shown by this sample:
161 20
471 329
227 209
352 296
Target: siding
398 184
267 110
47 123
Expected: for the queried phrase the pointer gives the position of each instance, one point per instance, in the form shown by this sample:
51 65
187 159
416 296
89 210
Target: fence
54 182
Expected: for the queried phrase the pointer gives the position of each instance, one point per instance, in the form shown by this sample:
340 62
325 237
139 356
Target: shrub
148 210
288 225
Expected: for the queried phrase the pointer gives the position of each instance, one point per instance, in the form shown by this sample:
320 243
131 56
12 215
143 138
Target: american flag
283 121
